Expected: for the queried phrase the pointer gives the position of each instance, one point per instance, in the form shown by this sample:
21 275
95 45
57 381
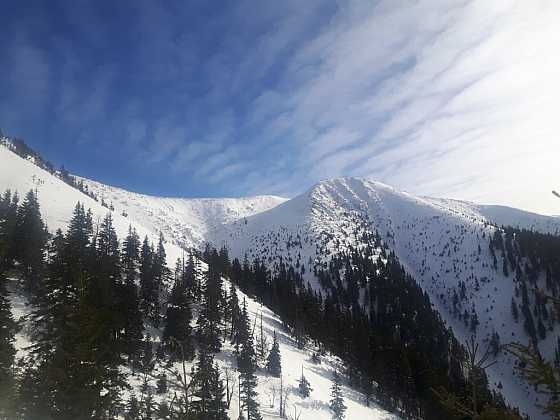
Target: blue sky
198 98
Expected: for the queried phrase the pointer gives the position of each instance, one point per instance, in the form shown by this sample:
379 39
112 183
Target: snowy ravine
437 240
57 201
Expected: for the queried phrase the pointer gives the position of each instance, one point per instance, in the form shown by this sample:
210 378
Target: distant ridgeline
22 149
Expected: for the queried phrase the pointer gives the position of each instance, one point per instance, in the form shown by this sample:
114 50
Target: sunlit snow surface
57 201
436 239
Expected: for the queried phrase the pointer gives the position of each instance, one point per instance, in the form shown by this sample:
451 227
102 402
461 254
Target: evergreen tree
233 311
201 381
8 329
247 366
131 255
273 363
304 387
149 289
30 241
8 222
132 408
160 270
336 404
178 318
210 316
262 345
217 405
74 363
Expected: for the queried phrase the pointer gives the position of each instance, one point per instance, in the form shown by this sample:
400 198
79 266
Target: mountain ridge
443 243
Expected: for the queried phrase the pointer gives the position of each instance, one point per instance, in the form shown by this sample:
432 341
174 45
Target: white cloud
455 101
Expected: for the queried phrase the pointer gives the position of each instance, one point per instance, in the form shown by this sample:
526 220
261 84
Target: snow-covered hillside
185 221
437 240
57 200
443 243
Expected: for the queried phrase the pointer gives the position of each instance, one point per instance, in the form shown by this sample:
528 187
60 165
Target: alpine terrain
369 296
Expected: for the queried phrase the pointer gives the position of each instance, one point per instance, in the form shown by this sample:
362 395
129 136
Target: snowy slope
294 361
57 200
185 221
437 240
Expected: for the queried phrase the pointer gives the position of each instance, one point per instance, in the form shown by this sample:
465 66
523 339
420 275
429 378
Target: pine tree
8 329
78 240
178 318
30 241
149 290
304 387
8 221
201 382
234 311
246 365
217 405
132 408
210 316
74 363
273 363
262 345
131 255
336 404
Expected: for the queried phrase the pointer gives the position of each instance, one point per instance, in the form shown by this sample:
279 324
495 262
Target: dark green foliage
247 366
304 387
8 221
8 328
178 314
531 255
540 373
149 289
273 362
30 241
336 404
211 314
73 368
397 339
208 401
233 311
132 409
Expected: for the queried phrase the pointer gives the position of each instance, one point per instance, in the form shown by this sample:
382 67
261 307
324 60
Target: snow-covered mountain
442 243
185 223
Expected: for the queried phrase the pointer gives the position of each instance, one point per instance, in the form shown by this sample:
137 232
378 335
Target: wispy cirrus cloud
455 99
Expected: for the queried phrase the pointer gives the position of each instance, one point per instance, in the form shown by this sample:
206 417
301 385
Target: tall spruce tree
261 345
217 405
210 316
233 311
247 367
273 363
336 404
8 221
149 289
127 296
8 329
30 241
178 317
304 387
